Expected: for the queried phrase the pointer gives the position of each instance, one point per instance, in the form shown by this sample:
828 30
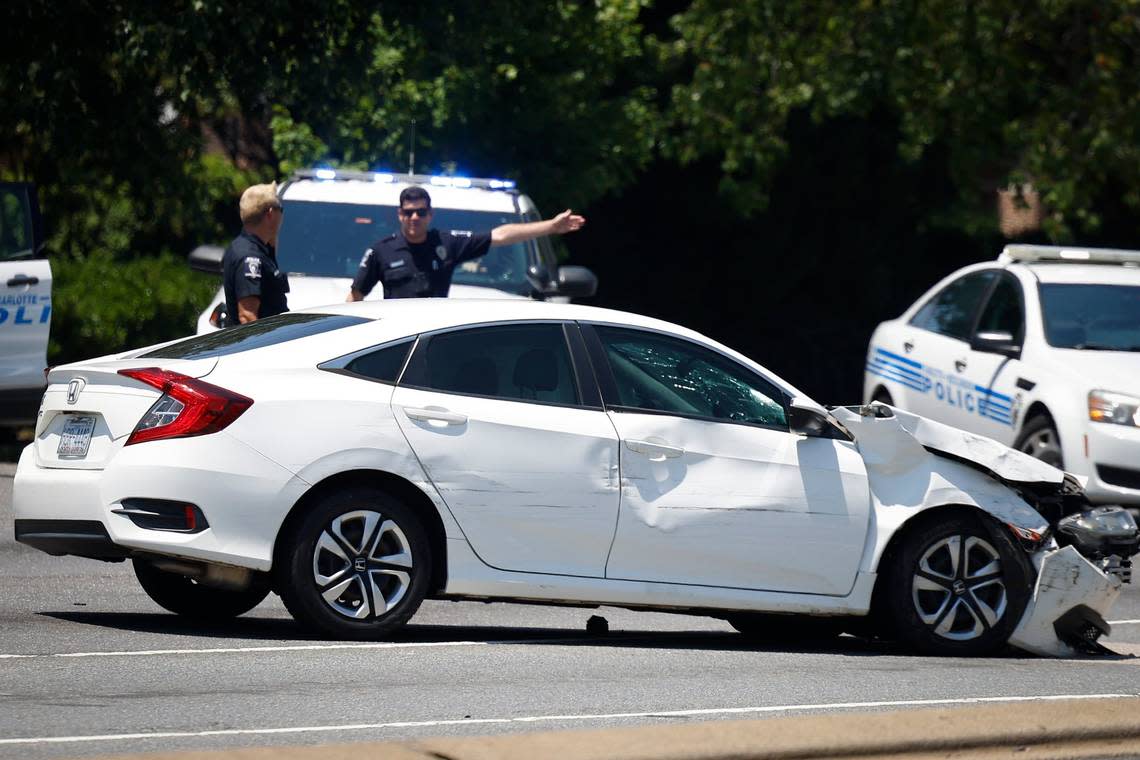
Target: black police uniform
249 268
418 270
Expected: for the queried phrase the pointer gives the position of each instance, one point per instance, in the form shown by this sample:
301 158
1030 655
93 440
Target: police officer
255 287
417 262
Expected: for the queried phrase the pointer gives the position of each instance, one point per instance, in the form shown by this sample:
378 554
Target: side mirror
207 258
806 417
576 282
996 342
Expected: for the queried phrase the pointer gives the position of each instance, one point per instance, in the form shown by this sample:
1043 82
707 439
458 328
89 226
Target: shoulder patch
252 266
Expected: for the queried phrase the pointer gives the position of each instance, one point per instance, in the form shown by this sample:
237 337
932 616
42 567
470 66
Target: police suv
332 217
25 304
1039 350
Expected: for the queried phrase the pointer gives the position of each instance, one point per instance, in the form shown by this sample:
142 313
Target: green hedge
102 306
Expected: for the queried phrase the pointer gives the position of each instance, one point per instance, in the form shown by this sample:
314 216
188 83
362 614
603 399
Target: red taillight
188 406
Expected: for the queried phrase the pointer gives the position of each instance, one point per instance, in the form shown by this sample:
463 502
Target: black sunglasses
410 212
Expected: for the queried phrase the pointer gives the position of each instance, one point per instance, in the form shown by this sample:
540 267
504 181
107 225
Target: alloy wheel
958 588
362 564
1043 445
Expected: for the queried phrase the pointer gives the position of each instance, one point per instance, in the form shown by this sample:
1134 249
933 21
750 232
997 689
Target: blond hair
255 201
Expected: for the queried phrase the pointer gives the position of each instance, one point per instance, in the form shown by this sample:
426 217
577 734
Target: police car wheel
1039 439
187 597
883 396
958 586
356 566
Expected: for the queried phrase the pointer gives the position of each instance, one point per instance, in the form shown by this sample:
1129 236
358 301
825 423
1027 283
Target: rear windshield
1092 317
329 239
264 332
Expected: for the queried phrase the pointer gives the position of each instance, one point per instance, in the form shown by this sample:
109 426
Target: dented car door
715 490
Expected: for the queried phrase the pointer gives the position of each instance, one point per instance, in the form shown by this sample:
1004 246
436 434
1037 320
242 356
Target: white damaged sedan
359 458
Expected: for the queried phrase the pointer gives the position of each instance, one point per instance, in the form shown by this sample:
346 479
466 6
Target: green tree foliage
1045 92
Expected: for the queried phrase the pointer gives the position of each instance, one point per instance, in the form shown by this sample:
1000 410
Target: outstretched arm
505 234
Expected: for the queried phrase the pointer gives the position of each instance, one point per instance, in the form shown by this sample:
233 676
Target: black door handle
960 365
23 279
908 346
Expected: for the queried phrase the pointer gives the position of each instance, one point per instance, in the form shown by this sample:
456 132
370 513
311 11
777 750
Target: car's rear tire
957 586
187 597
786 629
356 566
1039 439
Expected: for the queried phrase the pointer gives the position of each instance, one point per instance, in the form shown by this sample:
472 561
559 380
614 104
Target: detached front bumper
1069 588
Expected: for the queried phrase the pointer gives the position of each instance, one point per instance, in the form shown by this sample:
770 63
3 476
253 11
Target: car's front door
511 432
25 304
715 489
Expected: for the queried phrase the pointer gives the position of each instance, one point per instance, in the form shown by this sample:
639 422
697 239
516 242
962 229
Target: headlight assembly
1116 408
1100 532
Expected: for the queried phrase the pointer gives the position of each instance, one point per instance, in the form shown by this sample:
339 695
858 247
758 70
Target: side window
1004 312
659 373
383 364
952 311
527 362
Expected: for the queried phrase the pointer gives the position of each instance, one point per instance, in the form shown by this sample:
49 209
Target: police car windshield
328 239
1092 317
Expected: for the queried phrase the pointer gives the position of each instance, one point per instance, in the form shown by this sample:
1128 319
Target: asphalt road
89 665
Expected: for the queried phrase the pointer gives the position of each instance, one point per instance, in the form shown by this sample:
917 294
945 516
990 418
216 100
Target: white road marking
1123 622
552 718
292 648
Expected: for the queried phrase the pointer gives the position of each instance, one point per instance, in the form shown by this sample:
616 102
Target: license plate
75 438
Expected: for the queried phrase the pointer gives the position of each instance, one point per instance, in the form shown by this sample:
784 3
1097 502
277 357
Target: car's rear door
715 489
25 304
507 422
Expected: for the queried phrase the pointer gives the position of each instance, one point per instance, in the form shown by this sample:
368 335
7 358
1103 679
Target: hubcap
958 589
1044 445
362 564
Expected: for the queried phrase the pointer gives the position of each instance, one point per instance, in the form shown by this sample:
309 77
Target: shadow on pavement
282 631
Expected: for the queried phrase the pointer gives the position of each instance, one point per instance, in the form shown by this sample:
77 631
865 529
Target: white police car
1039 350
25 304
332 216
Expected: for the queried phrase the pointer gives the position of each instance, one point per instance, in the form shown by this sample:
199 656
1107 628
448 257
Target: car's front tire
357 565
187 597
957 586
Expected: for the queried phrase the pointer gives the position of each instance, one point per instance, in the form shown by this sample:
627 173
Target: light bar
1060 254
438 180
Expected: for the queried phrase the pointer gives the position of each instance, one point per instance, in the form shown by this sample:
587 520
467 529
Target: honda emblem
73 389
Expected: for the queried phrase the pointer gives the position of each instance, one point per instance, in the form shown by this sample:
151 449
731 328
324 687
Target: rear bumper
82 538
243 496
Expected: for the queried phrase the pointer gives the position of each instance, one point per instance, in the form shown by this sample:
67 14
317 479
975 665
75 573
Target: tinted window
952 311
658 373
329 239
1092 316
1003 312
264 332
16 238
517 362
383 364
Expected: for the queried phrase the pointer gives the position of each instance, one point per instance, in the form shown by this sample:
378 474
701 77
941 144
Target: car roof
388 194
1092 274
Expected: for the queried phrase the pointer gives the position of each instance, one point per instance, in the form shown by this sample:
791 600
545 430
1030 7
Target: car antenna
412 150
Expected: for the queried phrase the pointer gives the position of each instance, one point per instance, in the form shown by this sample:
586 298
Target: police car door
25 303
938 345
991 366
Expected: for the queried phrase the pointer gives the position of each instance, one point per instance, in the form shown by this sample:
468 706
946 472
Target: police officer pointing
254 285
418 261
